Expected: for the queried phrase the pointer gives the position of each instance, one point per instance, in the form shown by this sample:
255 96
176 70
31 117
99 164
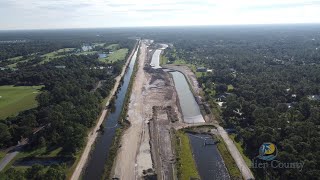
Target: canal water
189 106
155 61
99 155
209 162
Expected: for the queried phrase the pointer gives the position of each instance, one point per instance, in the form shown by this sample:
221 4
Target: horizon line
160 26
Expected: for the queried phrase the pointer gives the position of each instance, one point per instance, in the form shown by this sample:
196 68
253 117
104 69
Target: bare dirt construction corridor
152 109
134 155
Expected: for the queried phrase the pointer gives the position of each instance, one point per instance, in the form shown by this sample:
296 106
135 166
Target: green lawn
117 55
15 58
15 99
87 53
98 44
113 47
241 150
186 165
230 87
55 54
179 62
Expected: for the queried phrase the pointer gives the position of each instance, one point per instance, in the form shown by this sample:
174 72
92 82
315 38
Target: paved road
4 162
244 169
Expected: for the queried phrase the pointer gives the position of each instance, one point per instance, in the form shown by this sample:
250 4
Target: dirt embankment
134 155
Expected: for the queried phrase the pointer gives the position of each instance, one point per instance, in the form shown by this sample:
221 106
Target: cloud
112 13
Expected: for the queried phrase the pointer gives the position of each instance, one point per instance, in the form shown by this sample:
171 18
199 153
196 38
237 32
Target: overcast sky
46 14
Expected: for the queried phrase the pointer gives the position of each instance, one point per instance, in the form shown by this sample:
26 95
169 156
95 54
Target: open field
113 47
186 165
117 55
15 99
55 54
15 58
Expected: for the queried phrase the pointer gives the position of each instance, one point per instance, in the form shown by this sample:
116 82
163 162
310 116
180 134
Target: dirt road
94 133
134 155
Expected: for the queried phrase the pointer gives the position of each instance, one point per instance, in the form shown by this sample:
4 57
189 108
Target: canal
99 155
189 106
209 162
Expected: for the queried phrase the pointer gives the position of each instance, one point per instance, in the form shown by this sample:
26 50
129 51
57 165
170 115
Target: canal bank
94 135
100 153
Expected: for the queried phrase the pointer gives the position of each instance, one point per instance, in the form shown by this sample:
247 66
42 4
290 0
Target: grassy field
186 165
55 54
117 55
241 150
179 62
87 53
15 58
233 170
16 99
113 47
98 44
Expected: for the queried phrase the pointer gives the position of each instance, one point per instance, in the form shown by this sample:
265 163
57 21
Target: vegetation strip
231 165
186 166
122 121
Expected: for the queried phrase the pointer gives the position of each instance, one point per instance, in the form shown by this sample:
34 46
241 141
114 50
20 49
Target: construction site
155 113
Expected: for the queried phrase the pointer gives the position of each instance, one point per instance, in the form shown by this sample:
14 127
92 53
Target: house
222 98
201 69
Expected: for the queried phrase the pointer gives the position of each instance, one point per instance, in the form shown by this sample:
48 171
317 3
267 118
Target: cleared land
117 55
15 99
134 155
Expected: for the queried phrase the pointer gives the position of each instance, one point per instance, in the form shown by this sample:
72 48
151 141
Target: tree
5 135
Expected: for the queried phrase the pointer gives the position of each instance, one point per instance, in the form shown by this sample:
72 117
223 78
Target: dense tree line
36 172
274 71
69 104
41 42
